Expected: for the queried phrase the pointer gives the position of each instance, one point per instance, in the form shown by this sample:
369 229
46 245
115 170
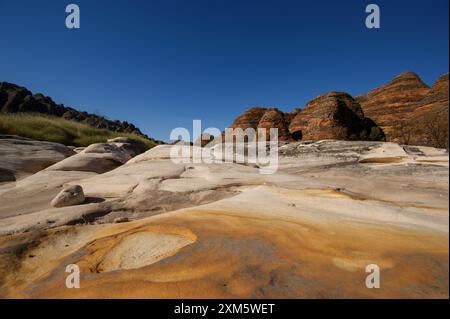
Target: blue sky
161 64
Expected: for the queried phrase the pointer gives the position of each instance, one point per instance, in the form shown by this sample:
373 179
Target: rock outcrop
404 110
97 158
334 115
20 156
16 99
265 118
437 96
428 124
403 105
250 118
274 118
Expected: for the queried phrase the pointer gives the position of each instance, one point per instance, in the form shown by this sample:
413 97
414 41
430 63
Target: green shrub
59 130
376 134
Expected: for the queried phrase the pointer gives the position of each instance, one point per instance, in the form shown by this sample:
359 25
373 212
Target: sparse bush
434 130
429 130
376 134
340 133
405 131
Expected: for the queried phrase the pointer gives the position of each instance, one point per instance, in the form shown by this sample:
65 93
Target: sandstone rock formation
266 118
250 118
395 100
437 96
98 158
334 115
222 230
72 195
15 99
274 118
20 156
403 110
428 124
403 105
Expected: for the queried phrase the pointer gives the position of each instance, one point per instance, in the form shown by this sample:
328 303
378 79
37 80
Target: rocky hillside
405 107
405 110
334 115
16 99
259 117
395 100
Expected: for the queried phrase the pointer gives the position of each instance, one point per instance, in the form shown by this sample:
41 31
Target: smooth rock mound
21 156
98 158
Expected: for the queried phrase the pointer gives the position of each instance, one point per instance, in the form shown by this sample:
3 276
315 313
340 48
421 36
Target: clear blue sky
161 64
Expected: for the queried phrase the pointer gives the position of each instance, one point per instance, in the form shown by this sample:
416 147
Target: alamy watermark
73 280
373 279
373 19
258 147
73 17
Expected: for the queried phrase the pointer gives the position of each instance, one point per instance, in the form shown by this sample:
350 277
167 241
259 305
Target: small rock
72 195
121 220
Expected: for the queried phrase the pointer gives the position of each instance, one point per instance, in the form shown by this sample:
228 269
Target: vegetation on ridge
55 129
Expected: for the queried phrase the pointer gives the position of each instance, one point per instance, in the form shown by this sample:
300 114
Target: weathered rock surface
437 96
197 230
274 118
429 121
20 156
69 196
250 118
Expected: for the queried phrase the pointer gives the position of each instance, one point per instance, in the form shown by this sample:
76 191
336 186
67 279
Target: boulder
69 196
